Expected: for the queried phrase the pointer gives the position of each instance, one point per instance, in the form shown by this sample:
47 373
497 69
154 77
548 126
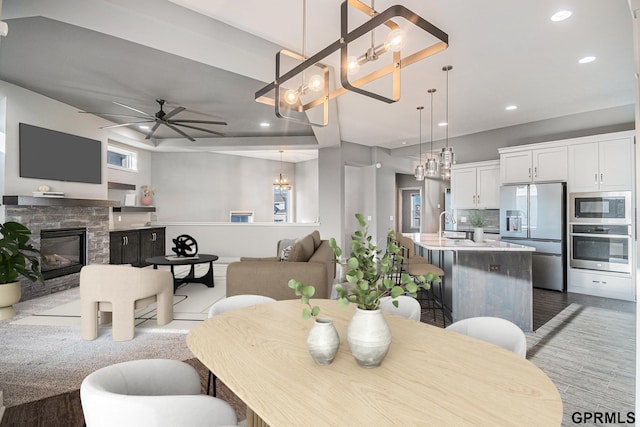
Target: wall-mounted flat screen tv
48 154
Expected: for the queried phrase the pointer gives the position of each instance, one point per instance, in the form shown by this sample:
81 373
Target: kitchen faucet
447 216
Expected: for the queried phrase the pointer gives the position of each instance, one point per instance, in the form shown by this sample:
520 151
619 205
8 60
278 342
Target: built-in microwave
600 207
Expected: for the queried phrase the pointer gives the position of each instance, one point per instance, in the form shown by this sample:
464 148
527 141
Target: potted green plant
371 275
18 258
478 222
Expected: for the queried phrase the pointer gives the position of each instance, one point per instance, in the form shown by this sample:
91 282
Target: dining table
430 376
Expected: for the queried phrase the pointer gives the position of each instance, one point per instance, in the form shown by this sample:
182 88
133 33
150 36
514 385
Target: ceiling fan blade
134 109
179 131
152 131
200 121
117 115
173 112
122 124
197 128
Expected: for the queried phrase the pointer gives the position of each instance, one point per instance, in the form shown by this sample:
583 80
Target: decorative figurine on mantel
186 246
147 192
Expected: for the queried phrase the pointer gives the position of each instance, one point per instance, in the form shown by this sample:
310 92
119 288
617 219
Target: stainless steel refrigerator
534 215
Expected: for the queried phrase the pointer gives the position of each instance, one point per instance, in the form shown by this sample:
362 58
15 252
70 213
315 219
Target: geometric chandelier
354 60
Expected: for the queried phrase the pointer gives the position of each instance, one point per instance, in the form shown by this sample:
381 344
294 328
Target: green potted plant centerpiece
18 258
371 275
478 222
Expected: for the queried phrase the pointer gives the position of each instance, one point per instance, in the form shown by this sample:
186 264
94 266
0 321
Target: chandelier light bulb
291 96
419 173
353 66
316 83
396 40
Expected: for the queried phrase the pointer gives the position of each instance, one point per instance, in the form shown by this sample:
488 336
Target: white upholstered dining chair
408 307
227 304
494 330
150 392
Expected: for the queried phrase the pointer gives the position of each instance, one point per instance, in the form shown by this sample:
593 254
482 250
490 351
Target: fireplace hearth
63 251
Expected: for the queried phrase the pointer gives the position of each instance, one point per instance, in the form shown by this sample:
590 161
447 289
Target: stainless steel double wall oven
601 232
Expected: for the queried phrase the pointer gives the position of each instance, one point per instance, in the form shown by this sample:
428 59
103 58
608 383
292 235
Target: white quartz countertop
431 241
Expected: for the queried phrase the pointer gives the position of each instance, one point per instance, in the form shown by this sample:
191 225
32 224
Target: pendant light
281 182
447 157
419 173
431 166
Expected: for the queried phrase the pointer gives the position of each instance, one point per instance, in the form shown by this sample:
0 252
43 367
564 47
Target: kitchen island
491 278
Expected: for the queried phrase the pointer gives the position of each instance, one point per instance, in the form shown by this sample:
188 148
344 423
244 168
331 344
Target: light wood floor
585 344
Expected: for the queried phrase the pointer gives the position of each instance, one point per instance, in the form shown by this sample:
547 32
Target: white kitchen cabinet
601 165
602 284
534 165
476 185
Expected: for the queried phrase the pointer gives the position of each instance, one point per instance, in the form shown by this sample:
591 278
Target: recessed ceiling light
404 142
511 107
561 15
265 124
144 127
442 124
586 59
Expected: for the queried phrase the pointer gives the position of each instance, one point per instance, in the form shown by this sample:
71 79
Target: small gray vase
323 341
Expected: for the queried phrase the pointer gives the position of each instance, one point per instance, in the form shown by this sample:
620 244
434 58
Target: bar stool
416 265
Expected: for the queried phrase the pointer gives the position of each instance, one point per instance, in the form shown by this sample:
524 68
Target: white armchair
408 307
150 392
494 330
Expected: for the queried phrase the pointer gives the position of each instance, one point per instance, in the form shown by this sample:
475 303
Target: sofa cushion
302 249
316 239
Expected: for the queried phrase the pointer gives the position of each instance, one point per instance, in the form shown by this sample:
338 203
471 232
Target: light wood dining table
430 376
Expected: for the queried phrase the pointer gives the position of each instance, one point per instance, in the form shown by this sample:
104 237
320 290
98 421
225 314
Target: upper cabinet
525 165
605 165
476 185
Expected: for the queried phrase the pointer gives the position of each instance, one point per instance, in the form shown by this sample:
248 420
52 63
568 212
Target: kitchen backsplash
491 216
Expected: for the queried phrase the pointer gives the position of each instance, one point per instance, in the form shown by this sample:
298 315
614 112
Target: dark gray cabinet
134 246
151 243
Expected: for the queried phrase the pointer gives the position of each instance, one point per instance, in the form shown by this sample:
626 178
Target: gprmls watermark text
604 417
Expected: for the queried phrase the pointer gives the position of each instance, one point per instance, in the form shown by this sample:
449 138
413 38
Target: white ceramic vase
478 234
9 294
323 341
369 337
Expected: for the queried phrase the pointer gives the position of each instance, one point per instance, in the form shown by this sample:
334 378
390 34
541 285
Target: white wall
204 187
306 191
29 107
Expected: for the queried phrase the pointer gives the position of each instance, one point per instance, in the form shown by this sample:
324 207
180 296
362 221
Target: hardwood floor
585 344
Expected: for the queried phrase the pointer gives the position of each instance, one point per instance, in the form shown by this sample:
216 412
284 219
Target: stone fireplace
63 251
87 216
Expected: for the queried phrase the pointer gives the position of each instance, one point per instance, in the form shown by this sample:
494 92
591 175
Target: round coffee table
172 260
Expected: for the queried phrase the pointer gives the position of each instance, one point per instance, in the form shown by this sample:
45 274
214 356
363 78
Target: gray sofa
310 260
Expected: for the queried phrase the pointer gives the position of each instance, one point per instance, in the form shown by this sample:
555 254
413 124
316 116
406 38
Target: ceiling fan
161 118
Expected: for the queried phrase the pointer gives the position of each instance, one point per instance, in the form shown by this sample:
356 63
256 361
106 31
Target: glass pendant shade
447 158
431 168
316 83
419 173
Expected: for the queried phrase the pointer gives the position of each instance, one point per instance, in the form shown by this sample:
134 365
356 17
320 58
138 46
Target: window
122 158
282 204
241 216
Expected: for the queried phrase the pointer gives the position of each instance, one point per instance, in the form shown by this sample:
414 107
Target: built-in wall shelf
56 201
134 209
120 186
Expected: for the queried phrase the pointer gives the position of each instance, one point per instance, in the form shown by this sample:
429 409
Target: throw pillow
316 239
284 256
302 250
